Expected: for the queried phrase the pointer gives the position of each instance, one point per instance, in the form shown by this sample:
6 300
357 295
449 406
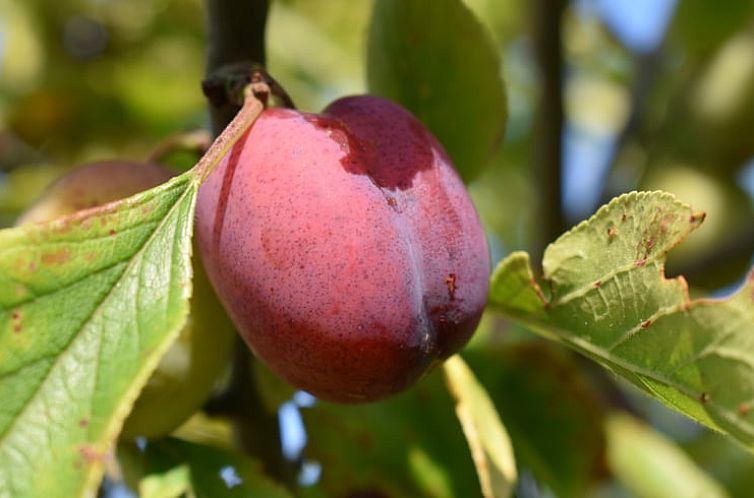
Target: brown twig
548 153
647 67
236 30
256 429
226 85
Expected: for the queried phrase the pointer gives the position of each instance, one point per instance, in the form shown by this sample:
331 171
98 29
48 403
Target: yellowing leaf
652 466
490 445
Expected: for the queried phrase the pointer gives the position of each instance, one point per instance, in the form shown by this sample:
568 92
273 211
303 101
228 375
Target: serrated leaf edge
552 331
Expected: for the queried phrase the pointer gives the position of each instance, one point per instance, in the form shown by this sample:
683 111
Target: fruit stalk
254 101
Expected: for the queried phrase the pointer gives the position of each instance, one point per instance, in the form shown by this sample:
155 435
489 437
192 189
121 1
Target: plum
93 185
187 373
345 248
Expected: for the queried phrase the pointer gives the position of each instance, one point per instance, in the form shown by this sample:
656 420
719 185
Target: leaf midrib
608 358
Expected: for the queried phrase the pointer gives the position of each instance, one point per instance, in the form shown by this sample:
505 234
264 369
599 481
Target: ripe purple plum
345 248
188 371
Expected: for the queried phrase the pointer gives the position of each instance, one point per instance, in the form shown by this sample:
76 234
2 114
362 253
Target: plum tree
345 247
189 370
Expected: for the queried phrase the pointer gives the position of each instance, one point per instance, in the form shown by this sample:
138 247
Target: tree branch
647 67
256 429
236 31
548 151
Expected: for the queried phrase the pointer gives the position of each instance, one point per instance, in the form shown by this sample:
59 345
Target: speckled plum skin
345 248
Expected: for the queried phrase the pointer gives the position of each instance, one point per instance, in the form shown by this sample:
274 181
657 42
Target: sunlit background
658 94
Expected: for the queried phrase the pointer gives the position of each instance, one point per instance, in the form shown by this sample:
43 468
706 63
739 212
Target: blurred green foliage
446 82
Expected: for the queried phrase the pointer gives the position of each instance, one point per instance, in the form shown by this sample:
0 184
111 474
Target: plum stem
226 85
255 97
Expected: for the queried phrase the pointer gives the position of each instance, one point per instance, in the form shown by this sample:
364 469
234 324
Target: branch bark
256 429
647 67
548 150
236 34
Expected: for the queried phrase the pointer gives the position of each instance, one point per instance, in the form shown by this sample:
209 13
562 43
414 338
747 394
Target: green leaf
170 467
728 462
172 483
651 466
701 27
407 446
434 58
273 391
551 409
609 299
88 304
504 20
490 445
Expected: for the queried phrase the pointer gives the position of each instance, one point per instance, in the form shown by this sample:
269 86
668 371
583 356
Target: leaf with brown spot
696 356
95 327
84 319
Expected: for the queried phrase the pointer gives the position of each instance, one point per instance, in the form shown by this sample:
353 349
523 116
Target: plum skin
345 248
188 371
